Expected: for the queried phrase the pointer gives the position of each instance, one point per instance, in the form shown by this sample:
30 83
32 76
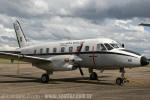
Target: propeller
77 52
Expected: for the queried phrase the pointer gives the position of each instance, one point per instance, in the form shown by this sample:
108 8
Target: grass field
9 61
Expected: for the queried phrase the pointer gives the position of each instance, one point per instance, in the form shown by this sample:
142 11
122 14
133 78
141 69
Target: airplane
100 54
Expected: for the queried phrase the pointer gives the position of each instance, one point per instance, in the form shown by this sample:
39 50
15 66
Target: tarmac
24 84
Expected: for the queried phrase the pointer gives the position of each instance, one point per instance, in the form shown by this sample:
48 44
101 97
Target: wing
14 52
31 59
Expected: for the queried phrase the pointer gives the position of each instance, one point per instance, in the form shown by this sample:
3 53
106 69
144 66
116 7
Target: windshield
108 46
115 45
100 47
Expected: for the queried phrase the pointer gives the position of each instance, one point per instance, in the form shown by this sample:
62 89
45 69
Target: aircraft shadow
26 79
84 80
56 81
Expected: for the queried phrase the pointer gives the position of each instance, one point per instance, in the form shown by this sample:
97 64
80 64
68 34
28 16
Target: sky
56 20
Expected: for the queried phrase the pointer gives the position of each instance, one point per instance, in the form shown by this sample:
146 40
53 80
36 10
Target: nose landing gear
121 80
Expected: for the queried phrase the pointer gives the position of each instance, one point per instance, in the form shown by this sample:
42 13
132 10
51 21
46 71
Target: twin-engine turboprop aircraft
101 54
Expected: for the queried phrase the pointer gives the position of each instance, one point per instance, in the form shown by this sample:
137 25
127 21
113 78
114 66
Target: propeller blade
79 49
77 52
81 72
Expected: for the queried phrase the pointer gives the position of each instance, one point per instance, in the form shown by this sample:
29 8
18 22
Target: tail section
19 34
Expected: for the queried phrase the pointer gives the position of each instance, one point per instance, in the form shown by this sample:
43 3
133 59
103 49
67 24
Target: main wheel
93 76
45 78
119 81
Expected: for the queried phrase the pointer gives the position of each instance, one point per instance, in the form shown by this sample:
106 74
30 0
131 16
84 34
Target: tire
119 81
45 78
93 76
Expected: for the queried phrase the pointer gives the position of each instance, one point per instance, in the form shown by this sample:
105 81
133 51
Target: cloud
55 20
101 9
25 9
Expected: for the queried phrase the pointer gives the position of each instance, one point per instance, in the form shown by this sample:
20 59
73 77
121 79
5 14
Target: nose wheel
121 80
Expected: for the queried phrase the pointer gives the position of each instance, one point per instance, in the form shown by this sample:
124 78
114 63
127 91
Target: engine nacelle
60 63
64 62
63 66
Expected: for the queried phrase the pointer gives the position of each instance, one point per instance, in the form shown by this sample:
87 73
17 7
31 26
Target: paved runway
71 85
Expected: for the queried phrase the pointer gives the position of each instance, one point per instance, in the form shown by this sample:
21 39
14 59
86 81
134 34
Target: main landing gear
45 77
93 75
121 80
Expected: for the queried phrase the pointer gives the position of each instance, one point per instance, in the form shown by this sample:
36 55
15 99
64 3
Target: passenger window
108 46
86 48
54 50
47 50
63 49
70 49
41 51
34 51
102 47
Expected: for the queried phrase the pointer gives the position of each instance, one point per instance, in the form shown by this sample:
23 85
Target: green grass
9 61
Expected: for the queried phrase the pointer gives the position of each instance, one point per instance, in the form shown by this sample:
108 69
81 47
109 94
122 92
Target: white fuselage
92 53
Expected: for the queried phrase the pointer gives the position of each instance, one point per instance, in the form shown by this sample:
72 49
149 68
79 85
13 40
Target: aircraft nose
144 61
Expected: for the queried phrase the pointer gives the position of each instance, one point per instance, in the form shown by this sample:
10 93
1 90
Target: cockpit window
101 47
108 46
115 45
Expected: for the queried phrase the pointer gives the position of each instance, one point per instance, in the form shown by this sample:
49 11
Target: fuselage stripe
95 52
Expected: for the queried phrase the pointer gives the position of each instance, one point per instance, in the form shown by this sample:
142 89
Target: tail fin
19 34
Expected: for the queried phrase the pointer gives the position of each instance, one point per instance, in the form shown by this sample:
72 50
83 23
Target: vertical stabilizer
19 34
